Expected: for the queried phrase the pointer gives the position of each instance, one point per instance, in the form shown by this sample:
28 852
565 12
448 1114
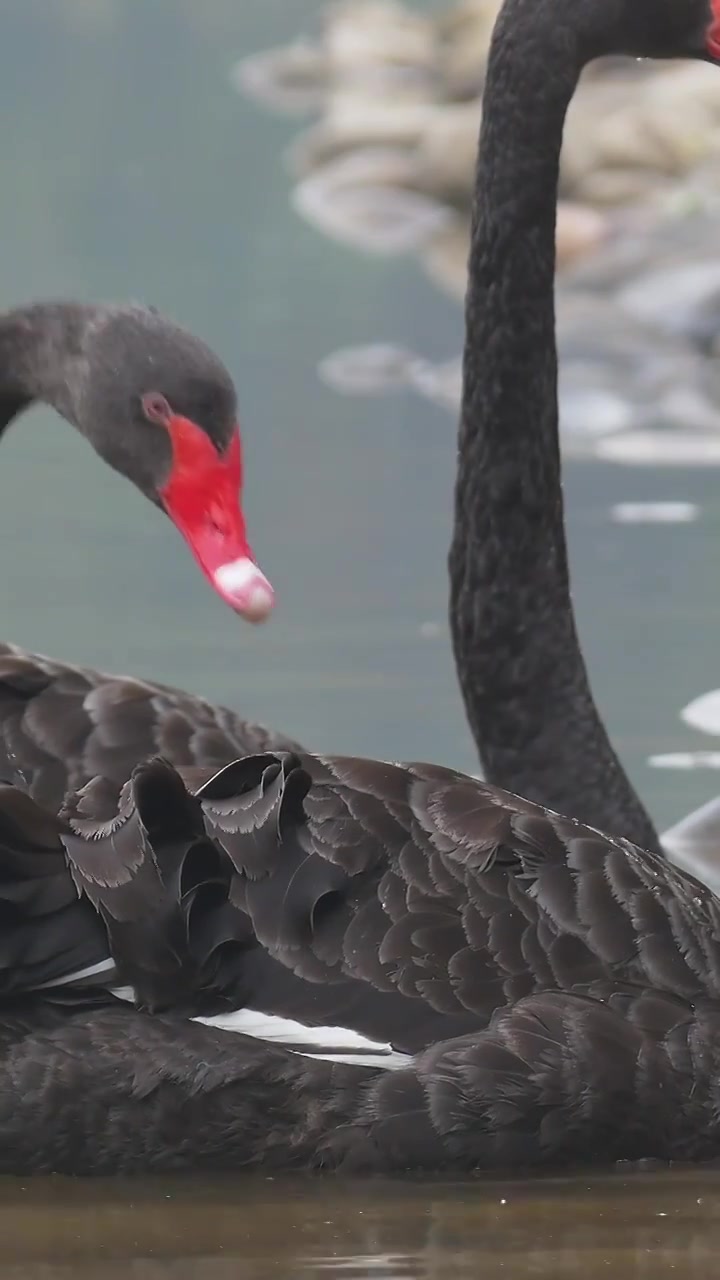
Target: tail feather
160 885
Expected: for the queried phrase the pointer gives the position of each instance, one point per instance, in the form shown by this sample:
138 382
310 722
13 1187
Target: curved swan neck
521 671
40 356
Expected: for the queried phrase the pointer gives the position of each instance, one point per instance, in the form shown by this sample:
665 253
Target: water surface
629 1227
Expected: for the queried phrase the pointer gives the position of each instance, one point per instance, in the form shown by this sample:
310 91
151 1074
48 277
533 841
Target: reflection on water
637 1226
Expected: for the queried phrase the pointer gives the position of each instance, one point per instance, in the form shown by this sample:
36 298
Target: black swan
159 407
427 973
519 662
420 972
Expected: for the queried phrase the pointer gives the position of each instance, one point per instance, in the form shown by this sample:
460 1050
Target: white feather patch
327 1044
102 966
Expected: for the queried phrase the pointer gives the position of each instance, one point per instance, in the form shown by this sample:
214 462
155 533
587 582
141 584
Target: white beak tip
245 588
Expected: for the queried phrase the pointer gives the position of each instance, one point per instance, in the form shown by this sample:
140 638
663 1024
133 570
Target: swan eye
156 408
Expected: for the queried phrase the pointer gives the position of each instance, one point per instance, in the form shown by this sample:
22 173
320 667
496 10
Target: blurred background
292 181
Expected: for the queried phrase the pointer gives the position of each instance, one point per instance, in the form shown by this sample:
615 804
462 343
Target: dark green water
133 170
649 1227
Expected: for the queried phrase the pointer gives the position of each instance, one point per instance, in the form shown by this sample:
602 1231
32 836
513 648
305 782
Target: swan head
661 28
160 408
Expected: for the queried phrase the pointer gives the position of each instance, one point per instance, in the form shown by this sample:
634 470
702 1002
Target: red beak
202 498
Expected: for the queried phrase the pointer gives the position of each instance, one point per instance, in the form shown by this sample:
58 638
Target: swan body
61 726
452 977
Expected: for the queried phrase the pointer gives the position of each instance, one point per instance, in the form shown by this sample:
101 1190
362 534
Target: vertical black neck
39 356
521 671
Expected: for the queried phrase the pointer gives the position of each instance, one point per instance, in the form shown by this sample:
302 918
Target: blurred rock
292 79
388 167
360 199
377 33
655 513
378 367
704 712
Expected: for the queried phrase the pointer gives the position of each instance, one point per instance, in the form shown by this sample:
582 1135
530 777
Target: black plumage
61 726
550 994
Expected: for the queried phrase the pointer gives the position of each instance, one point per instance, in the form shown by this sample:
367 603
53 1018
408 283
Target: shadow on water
637 1226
